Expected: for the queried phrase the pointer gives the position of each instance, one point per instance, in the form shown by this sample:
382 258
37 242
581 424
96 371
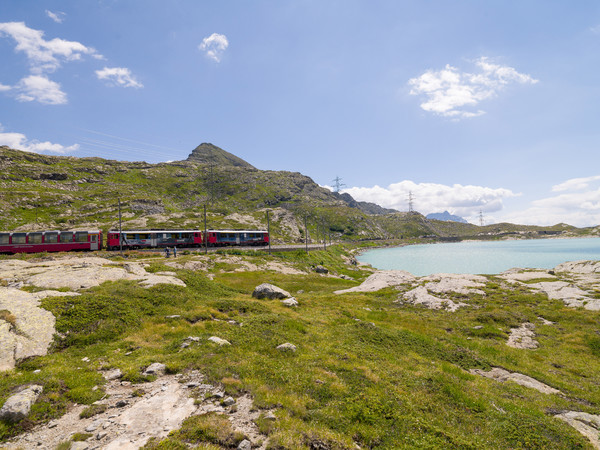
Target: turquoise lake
482 257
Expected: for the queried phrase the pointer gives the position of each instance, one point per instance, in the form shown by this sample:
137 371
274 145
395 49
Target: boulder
291 302
321 269
113 374
245 445
287 347
269 291
155 369
17 406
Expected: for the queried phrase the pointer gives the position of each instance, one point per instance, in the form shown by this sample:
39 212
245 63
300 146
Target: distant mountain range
446 217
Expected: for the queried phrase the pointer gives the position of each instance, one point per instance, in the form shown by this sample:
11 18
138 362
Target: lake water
482 257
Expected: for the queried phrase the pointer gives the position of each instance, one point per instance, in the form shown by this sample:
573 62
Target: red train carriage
221 238
134 239
50 241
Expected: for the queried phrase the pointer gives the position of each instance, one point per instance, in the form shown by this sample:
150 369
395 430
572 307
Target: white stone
17 406
219 341
291 302
269 291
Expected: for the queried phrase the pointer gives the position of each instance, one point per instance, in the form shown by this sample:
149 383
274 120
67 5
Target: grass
367 371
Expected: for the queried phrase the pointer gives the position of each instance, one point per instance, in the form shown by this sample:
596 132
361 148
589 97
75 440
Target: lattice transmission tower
337 184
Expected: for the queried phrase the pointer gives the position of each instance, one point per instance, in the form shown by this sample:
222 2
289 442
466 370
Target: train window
81 236
94 237
143 236
51 238
66 236
18 238
130 237
4 238
35 238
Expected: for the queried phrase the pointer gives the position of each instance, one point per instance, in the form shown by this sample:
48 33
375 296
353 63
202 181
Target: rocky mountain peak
207 153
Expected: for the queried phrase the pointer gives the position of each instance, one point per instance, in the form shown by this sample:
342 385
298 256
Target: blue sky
471 106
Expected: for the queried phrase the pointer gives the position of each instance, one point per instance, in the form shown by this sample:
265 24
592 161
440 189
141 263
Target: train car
50 241
136 239
222 238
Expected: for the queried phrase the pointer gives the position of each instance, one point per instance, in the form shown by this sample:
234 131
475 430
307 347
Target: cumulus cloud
452 93
4 87
43 55
465 201
41 89
20 142
58 16
575 184
118 76
214 46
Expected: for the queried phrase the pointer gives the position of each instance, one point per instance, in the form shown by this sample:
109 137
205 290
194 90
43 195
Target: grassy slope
367 370
64 192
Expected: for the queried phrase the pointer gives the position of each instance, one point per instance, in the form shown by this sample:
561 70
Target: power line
337 184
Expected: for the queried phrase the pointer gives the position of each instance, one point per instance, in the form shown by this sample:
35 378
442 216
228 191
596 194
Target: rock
380 280
245 445
587 424
269 291
321 269
270 416
113 374
173 316
121 404
193 338
155 369
287 347
291 302
78 445
346 277
502 375
219 341
101 435
28 330
17 406
523 337
229 401
420 296
93 426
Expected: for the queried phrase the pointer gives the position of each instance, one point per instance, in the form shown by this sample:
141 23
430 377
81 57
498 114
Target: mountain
63 192
207 153
446 217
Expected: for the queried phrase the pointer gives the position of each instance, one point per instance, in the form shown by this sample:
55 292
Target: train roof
53 231
156 231
238 231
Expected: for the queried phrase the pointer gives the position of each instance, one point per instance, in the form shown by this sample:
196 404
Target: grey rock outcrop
219 341
17 406
28 332
523 337
155 369
321 269
269 291
502 375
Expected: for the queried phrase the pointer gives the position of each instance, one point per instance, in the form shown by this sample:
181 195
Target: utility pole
324 237
305 235
337 184
410 202
120 229
205 232
269 231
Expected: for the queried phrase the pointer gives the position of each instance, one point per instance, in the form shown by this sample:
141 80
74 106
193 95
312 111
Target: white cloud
43 55
465 201
118 76
214 46
58 16
575 184
20 142
452 93
4 87
41 89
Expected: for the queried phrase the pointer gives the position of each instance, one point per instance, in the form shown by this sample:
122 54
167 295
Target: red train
134 239
50 241
64 241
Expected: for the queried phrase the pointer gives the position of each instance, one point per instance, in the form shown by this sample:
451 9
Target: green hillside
54 192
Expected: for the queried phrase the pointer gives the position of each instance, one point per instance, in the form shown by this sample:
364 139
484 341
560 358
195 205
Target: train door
237 238
93 242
